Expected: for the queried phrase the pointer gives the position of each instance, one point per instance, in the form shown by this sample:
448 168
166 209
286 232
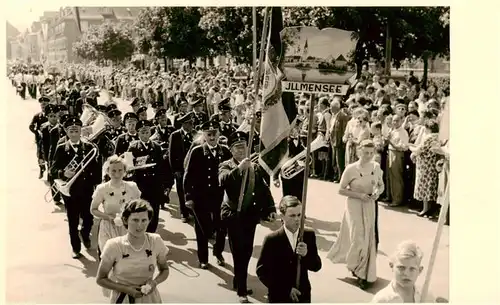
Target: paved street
38 254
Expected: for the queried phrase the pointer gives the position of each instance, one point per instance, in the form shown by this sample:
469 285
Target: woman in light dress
112 196
132 259
355 246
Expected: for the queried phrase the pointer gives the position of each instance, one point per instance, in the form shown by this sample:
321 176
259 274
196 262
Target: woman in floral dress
357 130
112 196
426 181
132 259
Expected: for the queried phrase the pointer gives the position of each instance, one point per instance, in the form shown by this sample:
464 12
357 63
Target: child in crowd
406 265
378 140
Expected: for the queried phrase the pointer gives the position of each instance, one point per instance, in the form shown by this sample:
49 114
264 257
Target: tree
230 31
171 32
108 41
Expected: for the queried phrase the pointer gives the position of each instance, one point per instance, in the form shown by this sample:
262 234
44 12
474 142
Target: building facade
63 31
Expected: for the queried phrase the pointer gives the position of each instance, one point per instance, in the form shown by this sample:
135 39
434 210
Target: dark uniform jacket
64 153
201 179
159 175
45 140
114 133
258 202
179 145
123 142
226 129
178 125
199 118
56 134
162 136
36 124
277 266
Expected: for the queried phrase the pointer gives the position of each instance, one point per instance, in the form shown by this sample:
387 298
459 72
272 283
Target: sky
21 13
327 42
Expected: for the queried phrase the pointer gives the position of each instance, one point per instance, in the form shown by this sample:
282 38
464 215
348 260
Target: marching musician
199 117
293 186
257 204
35 125
152 181
57 134
203 193
52 113
142 113
123 141
115 119
136 104
80 193
227 127
161 134
182 110
179 144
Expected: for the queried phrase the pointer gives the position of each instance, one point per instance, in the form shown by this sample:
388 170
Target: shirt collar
291 236
211 147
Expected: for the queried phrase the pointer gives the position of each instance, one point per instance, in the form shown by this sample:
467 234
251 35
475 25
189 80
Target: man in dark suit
199 117
153 180
338 125
80 194
277 263
241 221
179 145
204 194
123 141
182 106
34 127
57 133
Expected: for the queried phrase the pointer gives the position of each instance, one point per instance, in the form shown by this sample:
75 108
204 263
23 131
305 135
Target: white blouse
113 198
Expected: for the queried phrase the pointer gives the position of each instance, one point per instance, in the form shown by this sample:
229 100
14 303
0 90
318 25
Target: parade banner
279 111
319 58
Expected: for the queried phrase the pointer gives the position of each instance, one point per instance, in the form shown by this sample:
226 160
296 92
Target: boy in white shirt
406 265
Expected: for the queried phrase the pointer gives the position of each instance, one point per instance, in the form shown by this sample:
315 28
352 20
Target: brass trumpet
296 165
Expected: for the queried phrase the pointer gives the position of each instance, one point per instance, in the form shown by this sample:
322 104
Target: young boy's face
406 271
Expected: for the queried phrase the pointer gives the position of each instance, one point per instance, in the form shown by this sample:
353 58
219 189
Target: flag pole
305 182
254 30
437 238
256 84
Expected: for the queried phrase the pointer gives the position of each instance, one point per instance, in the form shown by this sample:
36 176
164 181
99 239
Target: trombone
63 187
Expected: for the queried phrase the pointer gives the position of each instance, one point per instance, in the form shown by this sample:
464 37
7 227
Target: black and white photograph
170 154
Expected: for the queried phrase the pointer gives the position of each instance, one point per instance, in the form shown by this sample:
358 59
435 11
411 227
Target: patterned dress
134 267
426 182
112 200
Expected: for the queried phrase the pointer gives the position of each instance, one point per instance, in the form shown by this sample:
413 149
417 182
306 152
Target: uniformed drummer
203 193
123 140
152 180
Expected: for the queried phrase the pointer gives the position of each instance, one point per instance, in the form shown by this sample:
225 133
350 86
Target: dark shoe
77 255
363 284
220 260
204 266
40 175
58 203
87 243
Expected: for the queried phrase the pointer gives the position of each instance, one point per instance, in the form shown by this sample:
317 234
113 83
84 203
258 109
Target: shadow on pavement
253 282
177 238
181 256
375 287
318 224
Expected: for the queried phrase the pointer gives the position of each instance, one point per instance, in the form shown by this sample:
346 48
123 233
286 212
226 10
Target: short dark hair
414 112
288 201
136 206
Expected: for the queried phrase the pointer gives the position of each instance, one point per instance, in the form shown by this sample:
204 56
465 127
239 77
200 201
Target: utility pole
388 49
